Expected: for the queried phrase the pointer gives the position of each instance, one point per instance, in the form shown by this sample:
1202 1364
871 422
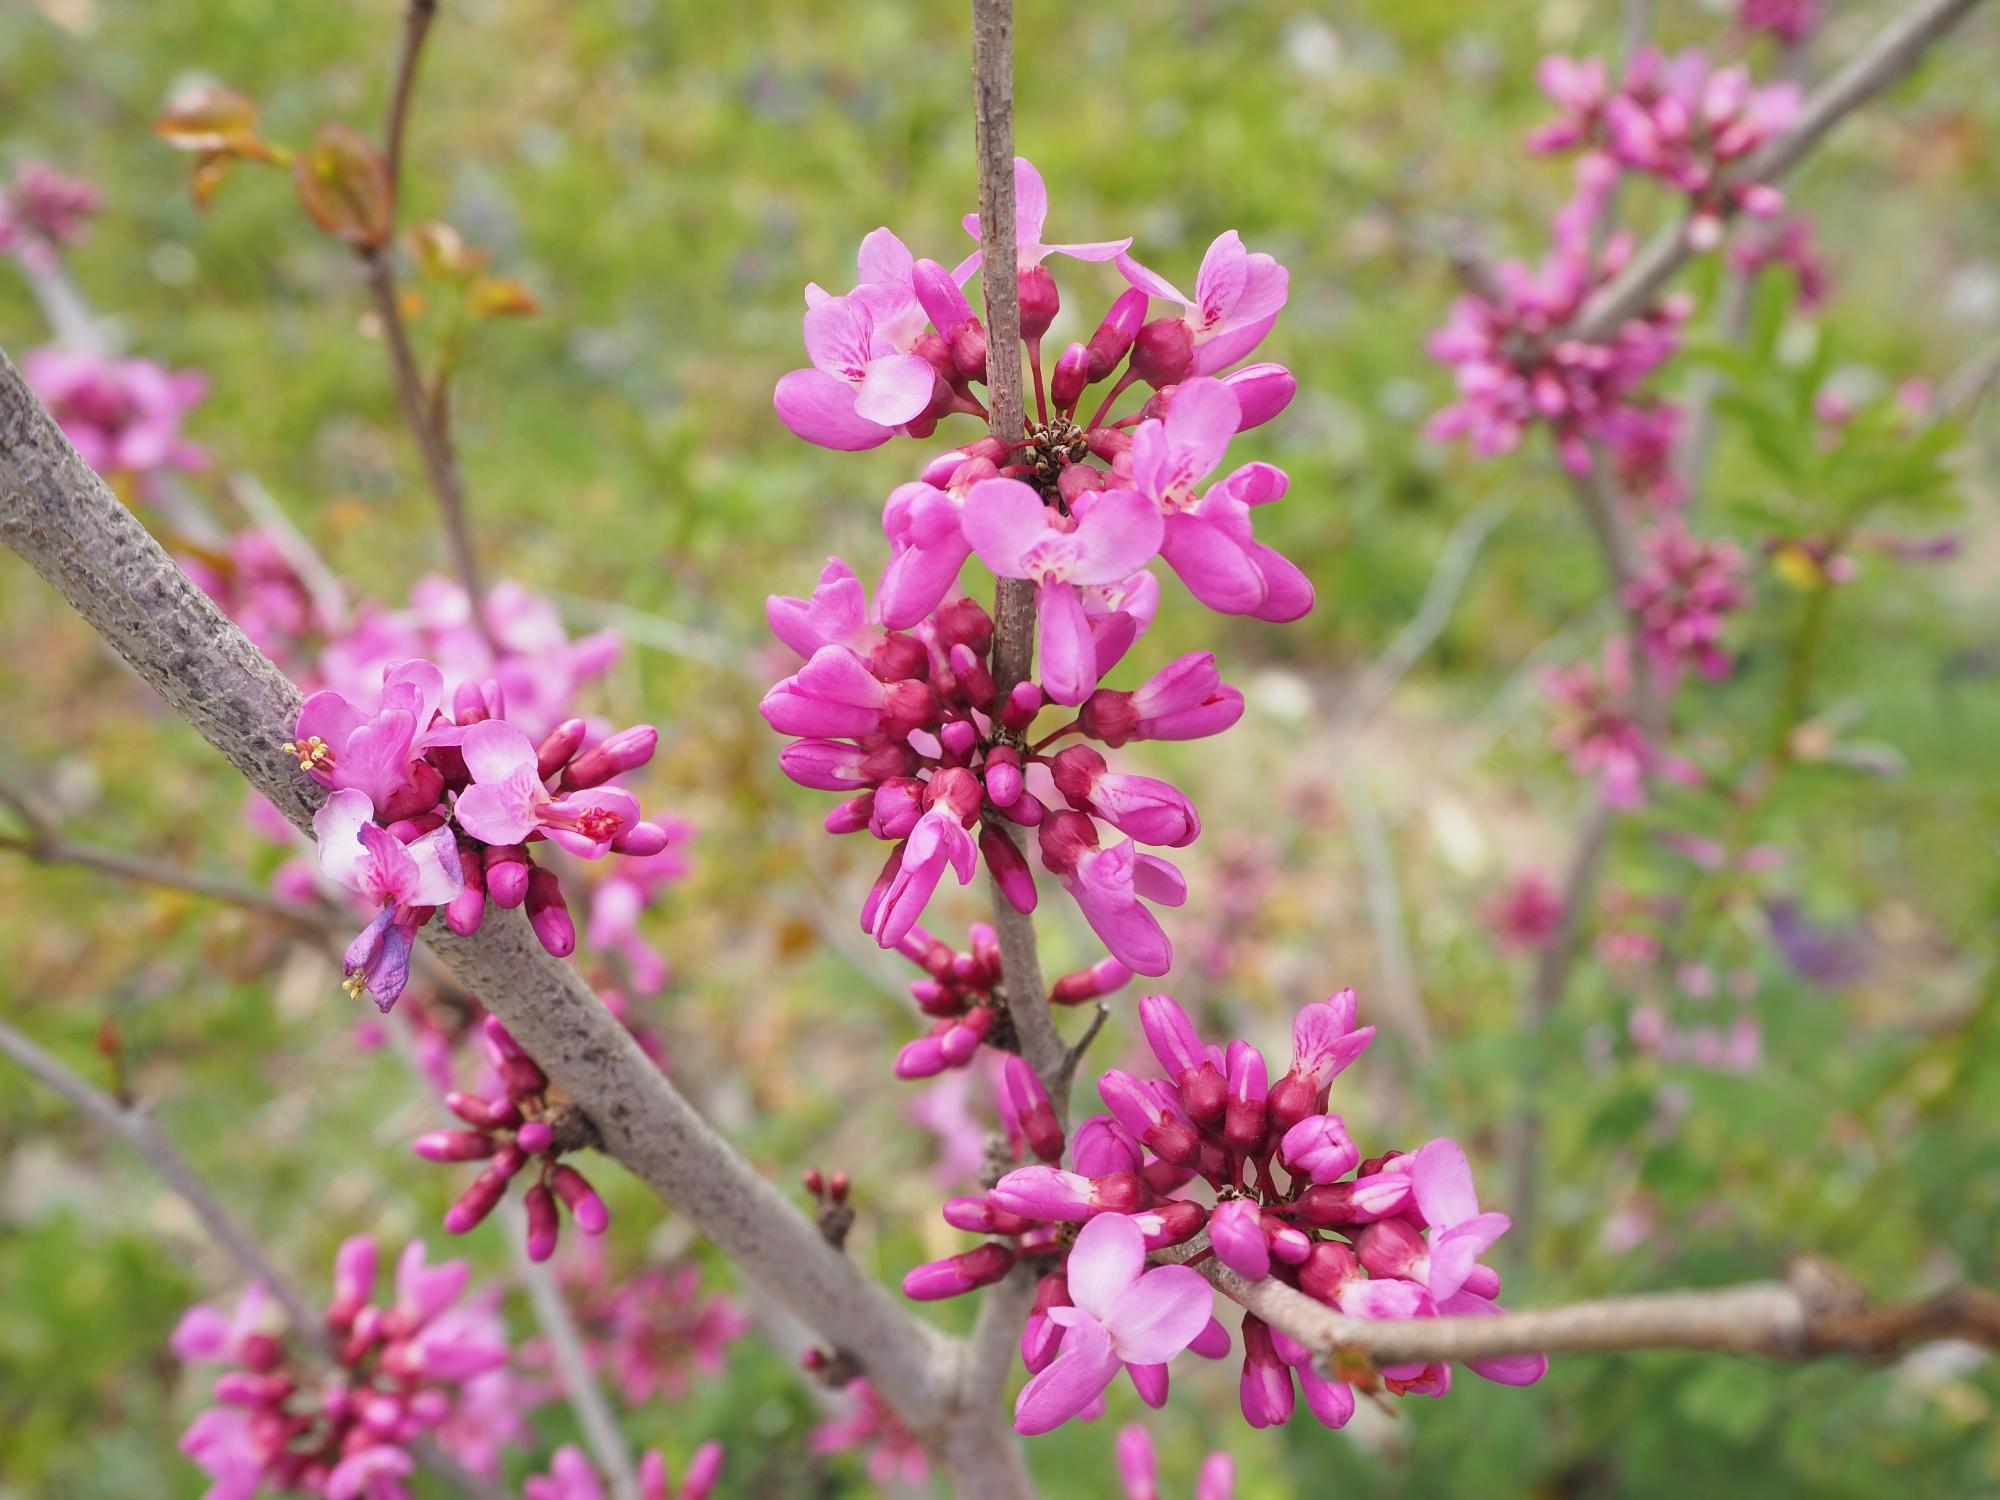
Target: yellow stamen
314 753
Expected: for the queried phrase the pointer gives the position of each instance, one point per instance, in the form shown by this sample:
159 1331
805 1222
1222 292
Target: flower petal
1105 1262
1075 1379
1159 1315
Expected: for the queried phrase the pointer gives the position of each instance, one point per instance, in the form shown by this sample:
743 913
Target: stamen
313 754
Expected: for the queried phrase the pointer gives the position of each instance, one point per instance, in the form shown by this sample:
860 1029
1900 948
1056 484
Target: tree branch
580 1386
1895 50
1813 1314
417 19
71 529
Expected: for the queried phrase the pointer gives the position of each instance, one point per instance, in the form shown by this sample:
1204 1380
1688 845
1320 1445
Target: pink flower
1207 538
1140 1474
864 383
1123 1315
1031 212
834 694
662 1331
1112 534
403 880
342 746
123 416
1790 21
1237 298
1598 730
1185 700
938 840
894 1454
1108 885
43 211
1681 598
507 802
1527 913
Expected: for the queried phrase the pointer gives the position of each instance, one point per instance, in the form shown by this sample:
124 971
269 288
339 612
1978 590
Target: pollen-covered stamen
313 753
598 824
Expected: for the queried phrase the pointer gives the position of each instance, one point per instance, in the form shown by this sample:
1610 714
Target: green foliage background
666 176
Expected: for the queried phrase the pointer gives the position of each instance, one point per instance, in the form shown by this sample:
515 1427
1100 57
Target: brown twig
1813 1314
417 19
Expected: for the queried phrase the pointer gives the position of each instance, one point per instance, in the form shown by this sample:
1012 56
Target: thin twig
1454 565
417 19
1400 997
1896 49
580 1385
1014 598
1814 1314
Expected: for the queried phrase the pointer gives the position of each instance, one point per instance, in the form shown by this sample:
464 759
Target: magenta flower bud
958 1044
484 1114
642 840
1288 1244
591 1216
1362 1201
1101 978
464 913
1163 351
1326 1270
1130 1101
1009 868
417 795
1071 378
1022 705
1031 1106
1065 837
1114 336
1392 1247
900 658
1263 391
507 871
1320 1147
477 1201
1174 1141
959 1274
968 351
1109 443
1163 1179
1266 1389
1103 1147
1173 1222
1483 1281
1171 1035
922 1058
543 1225
899 802
624 751
1039 302
836 766
475 701
960 736
1042 1337
1046 1194
1236 1230
454 1145
549 915
977 1216
851 816
1025 810
535 1137
1243 1121
962 622
1003 775
1205 1094
555 751
354 1266
409 830
975 683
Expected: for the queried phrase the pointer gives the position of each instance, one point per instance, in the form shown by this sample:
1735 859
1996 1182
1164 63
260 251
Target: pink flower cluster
962 991
400 1372
403 774
42 212
1598 726
123 416
657 1331
1790 243
1790 21
571 1477
1681 599
1348 1232
894 1455
1676 119
1517 365
898 704
1139 1471
524 1122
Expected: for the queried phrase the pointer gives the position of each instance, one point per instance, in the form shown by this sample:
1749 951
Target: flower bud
642 840
851 816
1002 773
1262 391
562 742
959 1274
419 794
1103 1146
1328 1268
1114 336
1032 1108
465 911
1009 868
1023 703
977 1216
543 1226
535 1137
1236 1230
1101 978
975 684
484 1114
476 1202
581 1199
454 1145
1244 1121
548 914
1071 378
507 871
1039 302
1319 1147
1174 1221
1163 351
1265 1393
624 751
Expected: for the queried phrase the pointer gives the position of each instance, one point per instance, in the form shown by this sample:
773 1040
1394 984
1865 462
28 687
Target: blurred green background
666 177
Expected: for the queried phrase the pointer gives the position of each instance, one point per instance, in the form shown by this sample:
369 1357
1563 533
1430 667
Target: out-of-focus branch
64 523
417 19
1896 49
1814 1314
132 1124
45 844
580 1385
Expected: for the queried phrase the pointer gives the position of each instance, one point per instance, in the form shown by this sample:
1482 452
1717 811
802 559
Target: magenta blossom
572 1477
895 1456
508 802
1237 299
1681 598
1139 1472
1112 534
1527 913
1598 728
123 416
1790 21
405 881
343 746
1031 212
1120 1314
